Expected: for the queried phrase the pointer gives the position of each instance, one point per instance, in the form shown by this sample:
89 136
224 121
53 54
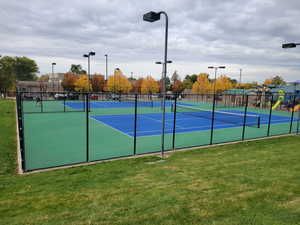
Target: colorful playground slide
280 99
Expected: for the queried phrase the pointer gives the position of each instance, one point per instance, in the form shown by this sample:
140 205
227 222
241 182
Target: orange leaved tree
82 84
118 83
202 85
223 83
97 82
69 81
149 86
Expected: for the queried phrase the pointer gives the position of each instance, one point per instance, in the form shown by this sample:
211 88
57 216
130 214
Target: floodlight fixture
290 45
151 16
88 56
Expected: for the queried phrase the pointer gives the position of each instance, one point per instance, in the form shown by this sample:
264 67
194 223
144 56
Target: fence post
21 130
245 118
212 120
65 101
41 94
270 116
292 117
87 125
135 124
298 122
174 122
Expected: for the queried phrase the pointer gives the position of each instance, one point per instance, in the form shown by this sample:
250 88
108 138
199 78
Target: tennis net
223 116
143 103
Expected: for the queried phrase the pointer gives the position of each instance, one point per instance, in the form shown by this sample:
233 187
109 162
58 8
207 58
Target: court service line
105 124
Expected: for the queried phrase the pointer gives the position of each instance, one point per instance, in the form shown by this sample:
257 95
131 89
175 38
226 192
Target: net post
135 124
212 120
174 122
87 125
292 116
245 118
270 116
41 95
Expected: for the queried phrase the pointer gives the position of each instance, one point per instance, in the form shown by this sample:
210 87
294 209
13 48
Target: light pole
240 82
152 17
163 87
216 68
105 66
89 74
53 64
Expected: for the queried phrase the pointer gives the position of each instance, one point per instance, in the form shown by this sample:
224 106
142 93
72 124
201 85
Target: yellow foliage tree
82 84
223 83
202 85
118 83
268 82
149 86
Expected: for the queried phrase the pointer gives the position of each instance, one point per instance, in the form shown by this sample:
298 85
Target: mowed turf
247 183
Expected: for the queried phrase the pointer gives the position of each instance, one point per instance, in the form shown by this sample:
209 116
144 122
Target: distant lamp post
290 45
105 66
216 69
88 57
53 64
152 17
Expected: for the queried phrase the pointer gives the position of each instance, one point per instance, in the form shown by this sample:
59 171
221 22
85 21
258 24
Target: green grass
247 183
7 137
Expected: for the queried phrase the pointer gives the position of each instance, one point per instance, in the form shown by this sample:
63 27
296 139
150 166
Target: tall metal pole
216 68
164 85
89 75
240 82
105 66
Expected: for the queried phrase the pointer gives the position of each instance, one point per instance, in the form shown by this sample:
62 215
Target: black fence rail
108 125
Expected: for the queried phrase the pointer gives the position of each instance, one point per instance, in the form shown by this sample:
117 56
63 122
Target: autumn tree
202 85
137 85
177 87
276 80
69 81
223 83
175 76
149 86
97 82
187 84
118 83
82 84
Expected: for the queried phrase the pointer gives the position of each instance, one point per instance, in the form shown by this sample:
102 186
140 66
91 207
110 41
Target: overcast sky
234 33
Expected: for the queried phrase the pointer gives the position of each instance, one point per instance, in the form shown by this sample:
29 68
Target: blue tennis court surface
150 123
116 104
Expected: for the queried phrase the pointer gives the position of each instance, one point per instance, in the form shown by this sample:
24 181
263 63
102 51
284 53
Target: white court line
111 127
159 120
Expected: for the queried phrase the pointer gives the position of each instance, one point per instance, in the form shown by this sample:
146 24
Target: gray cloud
245 34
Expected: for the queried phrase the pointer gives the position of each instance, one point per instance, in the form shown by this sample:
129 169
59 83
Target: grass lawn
247 183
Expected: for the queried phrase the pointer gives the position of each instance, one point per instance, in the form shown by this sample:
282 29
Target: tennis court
60 132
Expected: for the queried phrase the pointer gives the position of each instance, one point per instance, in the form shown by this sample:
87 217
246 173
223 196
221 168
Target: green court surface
56 138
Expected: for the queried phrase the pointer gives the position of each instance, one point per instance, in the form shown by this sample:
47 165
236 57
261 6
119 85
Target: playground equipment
281 94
